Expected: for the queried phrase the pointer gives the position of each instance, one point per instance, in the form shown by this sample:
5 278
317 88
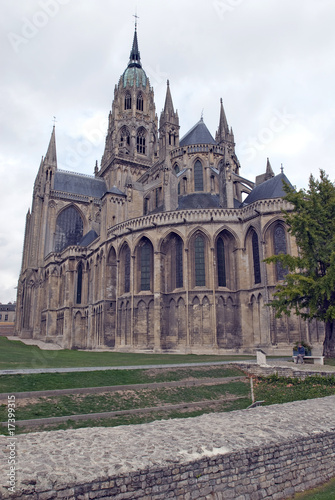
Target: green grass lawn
75 380
57 406
325 492
278 390
144 418
14 355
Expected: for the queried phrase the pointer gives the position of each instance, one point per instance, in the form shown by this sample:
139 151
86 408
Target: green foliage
309 286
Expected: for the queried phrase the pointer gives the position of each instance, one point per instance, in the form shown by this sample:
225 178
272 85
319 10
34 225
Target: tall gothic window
139 102
179 263
198 176
199 261
127 101
69 229
279 238
140 141
124 137
127 270
220 250
176 171
145 262
79 282
255 254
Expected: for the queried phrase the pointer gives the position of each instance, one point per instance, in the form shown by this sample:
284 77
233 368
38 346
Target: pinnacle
168 107
51 156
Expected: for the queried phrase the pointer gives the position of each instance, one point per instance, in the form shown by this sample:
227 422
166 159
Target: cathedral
163 248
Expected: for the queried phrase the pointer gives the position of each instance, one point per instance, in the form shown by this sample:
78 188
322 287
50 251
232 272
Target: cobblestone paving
73 456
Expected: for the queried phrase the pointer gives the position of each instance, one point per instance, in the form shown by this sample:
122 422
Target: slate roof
7 307
72 183
115 190
88 238
272 188
199 134
198 200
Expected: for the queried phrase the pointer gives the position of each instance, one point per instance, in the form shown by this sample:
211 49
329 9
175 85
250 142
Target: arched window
124 137
139 102
127 270
255 254
127 101
179 263
140 141
79 282
69 229
279 244
220 251
145 265
198 177
199 261
176 169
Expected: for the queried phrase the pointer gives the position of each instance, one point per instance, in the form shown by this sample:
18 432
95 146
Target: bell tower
131 145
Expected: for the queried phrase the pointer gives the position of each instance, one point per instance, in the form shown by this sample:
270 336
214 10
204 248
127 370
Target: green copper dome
134 72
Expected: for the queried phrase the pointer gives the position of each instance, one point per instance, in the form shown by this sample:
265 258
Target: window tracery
256 260
220 250
140 141
198 176
199 261
280 247
139 102
69 228
127 101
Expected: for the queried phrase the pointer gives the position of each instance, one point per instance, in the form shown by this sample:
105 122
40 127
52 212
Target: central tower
131 144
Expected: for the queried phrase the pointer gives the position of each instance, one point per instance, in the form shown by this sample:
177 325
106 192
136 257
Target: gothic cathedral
163 248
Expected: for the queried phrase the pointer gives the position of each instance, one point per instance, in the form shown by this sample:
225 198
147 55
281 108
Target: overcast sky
271 61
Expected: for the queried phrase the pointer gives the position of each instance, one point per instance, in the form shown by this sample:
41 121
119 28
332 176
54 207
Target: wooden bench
318 360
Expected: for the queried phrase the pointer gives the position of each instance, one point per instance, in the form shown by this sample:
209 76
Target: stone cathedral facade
162 248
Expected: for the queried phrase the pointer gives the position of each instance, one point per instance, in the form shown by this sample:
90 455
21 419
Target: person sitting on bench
301 354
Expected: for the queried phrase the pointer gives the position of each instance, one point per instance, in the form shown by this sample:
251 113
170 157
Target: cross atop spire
136 17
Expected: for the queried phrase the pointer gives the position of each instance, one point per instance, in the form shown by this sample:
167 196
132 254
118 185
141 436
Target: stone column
213 268
187 285
157 286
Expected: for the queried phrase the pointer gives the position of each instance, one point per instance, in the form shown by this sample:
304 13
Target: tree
309 285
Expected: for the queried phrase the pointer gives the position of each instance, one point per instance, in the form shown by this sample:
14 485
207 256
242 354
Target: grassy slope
52 381
57 406
14 355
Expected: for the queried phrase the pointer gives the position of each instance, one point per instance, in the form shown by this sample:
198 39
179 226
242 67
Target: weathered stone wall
262 453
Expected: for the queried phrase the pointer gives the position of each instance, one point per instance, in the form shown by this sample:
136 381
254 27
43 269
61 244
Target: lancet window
127 101
199 261
198 176
140 141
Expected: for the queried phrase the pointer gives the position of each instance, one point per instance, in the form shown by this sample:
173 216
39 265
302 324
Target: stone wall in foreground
261 453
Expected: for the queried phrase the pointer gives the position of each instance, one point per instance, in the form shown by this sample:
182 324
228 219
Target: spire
223 124
269 171
135 58
51 157
168 107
